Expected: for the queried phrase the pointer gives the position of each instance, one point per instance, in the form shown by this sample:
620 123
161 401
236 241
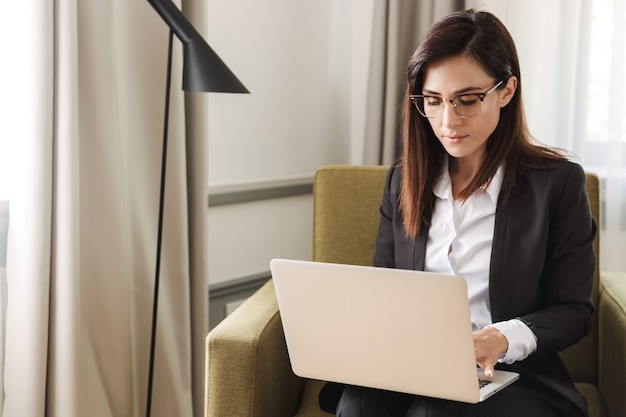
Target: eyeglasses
464 105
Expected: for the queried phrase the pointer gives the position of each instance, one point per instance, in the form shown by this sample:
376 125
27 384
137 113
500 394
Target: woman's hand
489 346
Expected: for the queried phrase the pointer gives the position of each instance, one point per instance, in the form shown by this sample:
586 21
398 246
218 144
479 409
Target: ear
507 93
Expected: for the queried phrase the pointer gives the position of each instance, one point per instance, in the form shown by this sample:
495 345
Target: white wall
306 66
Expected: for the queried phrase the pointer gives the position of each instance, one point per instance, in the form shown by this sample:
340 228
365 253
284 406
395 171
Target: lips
455 138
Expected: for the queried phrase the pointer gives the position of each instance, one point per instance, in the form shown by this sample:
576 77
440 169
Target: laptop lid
392 329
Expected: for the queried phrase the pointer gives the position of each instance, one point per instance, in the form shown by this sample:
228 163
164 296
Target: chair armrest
248 369
612 328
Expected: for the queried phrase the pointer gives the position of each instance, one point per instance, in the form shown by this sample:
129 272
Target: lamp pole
203 70
157 269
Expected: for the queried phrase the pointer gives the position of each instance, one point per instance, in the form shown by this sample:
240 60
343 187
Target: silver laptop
392 329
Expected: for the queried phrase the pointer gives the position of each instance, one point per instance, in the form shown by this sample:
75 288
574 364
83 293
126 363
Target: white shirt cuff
522 340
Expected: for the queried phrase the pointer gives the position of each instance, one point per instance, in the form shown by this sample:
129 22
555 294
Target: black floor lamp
203 70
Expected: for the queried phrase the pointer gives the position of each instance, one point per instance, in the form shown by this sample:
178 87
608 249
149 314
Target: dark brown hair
481 36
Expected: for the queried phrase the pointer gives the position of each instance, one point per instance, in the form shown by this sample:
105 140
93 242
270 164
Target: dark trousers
515 401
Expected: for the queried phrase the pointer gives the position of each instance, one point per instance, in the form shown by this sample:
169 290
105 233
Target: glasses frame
451 101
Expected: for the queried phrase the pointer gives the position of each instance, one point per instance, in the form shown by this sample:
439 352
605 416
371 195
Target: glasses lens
428 106
467 105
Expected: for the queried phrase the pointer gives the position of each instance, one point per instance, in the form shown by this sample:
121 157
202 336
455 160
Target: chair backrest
346 215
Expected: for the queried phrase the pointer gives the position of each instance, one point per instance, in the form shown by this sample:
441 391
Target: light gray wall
306 66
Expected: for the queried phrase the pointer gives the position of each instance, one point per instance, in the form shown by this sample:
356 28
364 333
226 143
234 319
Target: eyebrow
455 93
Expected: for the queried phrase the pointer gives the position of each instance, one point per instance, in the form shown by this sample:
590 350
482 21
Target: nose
449 117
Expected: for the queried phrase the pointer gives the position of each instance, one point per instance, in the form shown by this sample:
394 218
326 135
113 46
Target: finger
487 367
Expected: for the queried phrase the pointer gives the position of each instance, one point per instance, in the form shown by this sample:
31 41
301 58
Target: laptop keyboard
483 382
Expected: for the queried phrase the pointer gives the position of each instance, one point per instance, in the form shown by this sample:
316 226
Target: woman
474 196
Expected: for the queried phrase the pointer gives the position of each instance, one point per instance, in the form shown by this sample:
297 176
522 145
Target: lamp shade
203 70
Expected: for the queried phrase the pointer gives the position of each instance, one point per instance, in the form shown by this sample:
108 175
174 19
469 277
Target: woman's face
465 138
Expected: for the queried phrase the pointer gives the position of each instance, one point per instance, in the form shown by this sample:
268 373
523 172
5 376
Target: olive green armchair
248 371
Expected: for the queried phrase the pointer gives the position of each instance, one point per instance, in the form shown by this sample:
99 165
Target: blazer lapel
498 250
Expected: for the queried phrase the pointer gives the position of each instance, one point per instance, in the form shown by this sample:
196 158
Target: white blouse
459 242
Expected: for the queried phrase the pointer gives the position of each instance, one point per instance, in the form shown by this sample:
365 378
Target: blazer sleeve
563 294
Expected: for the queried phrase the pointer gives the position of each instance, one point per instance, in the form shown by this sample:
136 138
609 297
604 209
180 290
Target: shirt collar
493 189
443 185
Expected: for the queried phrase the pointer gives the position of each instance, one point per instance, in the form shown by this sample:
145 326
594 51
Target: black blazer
541 271
542 264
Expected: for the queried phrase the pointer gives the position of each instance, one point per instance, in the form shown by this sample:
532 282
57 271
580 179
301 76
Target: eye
467 100
432 101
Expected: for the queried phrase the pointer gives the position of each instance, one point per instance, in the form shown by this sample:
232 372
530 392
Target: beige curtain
4 230
196 123
398 28
85 168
